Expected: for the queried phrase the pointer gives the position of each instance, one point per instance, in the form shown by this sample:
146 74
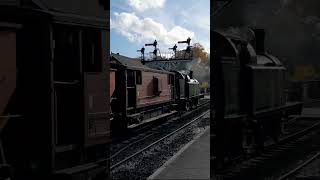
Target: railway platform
191 162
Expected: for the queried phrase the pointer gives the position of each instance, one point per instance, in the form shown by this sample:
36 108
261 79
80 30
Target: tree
199 52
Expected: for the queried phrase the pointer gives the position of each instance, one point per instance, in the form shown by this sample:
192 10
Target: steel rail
159 140
293 171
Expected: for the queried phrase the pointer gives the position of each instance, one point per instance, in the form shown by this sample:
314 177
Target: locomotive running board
152 119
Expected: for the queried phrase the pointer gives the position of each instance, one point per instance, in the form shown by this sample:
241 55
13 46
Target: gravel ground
143 165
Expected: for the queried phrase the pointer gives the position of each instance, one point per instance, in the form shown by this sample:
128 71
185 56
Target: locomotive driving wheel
252 139
195 103
187 106
247 141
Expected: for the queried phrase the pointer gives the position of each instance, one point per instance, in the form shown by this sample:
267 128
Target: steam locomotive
249 94
139 93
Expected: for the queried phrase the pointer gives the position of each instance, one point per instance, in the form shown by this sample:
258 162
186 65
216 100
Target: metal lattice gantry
173 60
169 65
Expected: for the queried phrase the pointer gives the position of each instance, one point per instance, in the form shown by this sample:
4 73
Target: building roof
127 61
132 63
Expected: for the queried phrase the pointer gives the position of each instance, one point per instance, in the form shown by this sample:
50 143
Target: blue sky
136 22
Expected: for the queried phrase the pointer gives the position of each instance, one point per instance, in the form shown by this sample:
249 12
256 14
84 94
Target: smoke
292 26
242 32
200 65
200 70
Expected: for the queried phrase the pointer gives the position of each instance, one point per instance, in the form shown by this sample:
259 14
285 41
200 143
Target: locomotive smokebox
260 36
191 74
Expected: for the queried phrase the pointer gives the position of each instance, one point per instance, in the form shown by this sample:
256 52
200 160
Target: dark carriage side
57 117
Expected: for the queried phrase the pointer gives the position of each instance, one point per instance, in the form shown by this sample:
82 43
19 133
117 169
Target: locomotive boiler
249 94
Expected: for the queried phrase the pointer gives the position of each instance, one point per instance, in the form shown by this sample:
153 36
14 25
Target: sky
136 22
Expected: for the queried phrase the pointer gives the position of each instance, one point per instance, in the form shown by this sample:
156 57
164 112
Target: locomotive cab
187 90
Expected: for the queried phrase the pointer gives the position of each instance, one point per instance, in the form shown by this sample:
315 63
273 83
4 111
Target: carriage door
131 89
80 88
67 87
7 71
7 80
96 87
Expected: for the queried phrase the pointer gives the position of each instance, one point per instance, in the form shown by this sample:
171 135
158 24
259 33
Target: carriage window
91 49
156 86
138 77
66 53
130 78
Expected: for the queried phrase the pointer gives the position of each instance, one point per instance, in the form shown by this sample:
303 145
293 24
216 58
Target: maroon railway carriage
53 79
138 92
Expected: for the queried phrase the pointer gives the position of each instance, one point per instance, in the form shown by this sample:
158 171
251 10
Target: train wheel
187 106
197 102
194 103
248 141
253 137
277 129
259 135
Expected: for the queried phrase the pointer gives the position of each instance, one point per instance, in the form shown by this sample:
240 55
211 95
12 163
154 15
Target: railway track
294 126
303 164
136 135
177 114
277 158
156 146
156 142
140 128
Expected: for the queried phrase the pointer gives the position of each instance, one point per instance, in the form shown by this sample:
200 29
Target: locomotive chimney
260 36
191 74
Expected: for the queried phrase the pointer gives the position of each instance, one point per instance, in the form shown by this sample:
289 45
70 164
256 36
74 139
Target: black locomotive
249 94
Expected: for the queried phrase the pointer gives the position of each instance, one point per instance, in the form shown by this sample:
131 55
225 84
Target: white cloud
206 45
142 5
203 22
144 30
